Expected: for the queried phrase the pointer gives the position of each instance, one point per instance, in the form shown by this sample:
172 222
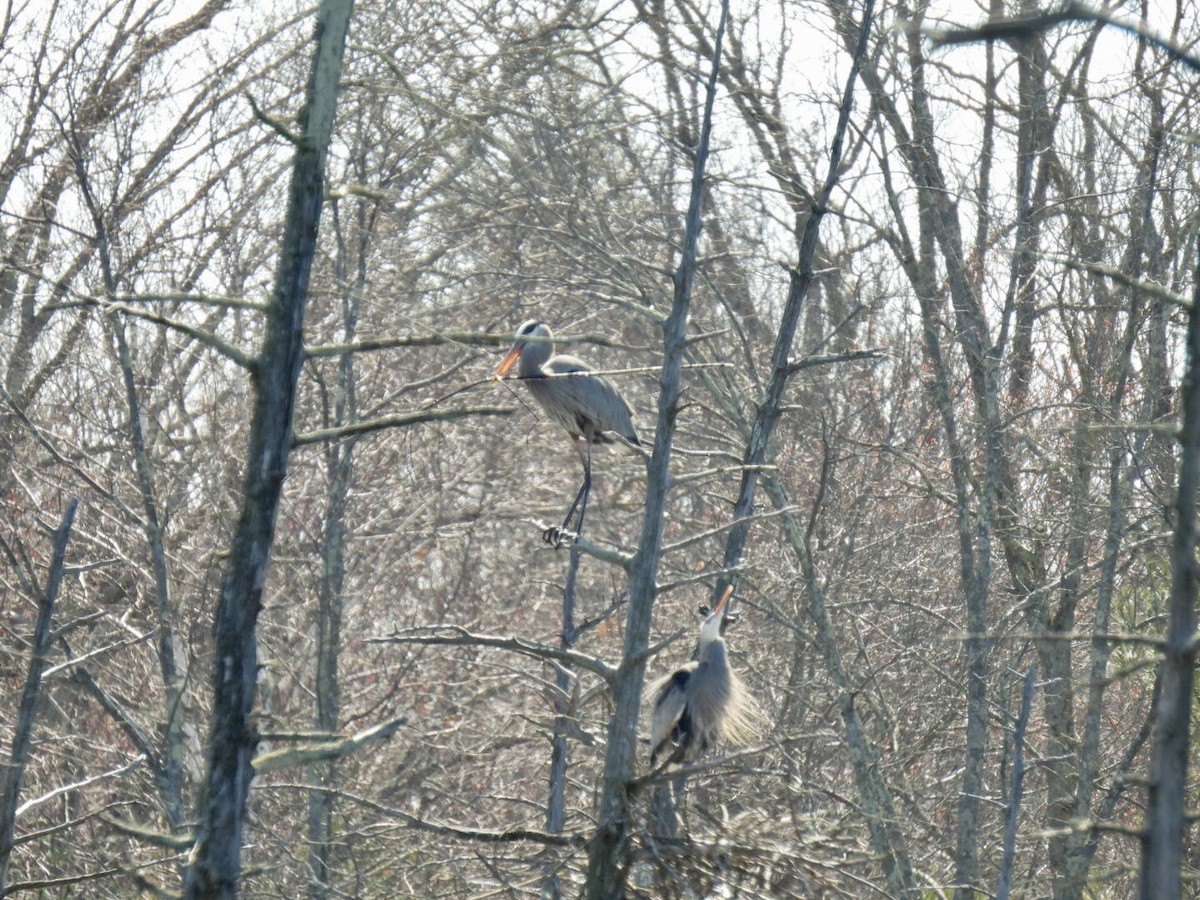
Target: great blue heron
703 701
585 404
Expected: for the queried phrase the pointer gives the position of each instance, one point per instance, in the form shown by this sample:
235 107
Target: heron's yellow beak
720 610
507 363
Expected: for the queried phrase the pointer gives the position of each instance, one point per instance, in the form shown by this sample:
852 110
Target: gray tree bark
560 748
1166 816
215 865
169 760
14 772
609 851
339 463
1012 813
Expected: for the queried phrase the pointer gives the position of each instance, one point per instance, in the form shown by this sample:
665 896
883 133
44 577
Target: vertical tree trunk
1013 811
339 462
1166 817
169 771
13 774
556 807
329 629
216 862
609 851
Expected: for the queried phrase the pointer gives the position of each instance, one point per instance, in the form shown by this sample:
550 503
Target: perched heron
585 404
703 701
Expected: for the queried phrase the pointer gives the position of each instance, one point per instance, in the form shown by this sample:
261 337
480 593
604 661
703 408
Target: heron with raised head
584 403
703 702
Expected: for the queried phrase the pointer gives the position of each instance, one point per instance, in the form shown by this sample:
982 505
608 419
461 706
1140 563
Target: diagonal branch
456 636
289 757
810 362
1018 29
200 335
400 420
1150 288
82 783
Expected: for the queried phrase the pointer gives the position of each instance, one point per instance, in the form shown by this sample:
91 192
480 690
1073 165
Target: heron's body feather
585 404
703 702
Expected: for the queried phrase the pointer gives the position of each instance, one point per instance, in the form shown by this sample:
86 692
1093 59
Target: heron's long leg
586 490
554 535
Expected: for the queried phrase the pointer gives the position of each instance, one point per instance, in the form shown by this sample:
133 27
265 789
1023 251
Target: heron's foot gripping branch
557 535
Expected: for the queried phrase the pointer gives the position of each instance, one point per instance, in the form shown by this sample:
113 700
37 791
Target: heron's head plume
532 328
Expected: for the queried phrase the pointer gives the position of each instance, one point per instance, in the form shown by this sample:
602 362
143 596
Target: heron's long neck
533 357
713 653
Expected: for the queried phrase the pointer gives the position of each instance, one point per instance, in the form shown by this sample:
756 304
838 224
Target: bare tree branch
464 338
399 420
1017 29
200 335
82 783
810 362
290 757
461 637
500 836
1150 288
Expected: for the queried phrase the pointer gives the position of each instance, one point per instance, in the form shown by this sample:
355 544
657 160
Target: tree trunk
339 463
1166 816
329 629
14 773
216 863
556 807
609 852
169 769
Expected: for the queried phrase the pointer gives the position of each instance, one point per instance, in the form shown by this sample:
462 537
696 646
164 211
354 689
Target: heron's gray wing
596 404
670 702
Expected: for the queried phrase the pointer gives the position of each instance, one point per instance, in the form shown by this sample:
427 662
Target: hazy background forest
971 474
